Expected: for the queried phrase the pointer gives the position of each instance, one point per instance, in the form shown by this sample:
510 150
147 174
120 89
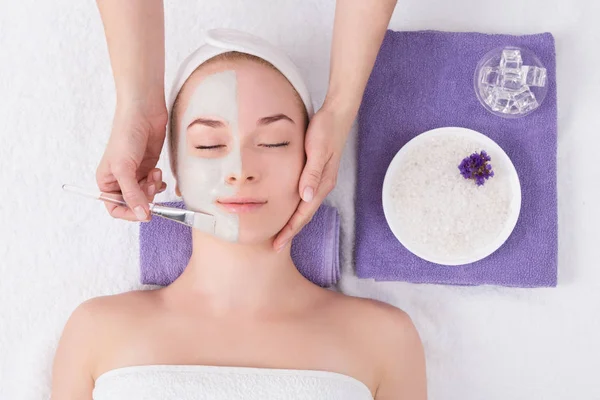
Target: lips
240 205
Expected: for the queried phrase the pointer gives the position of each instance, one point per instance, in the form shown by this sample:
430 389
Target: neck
231 278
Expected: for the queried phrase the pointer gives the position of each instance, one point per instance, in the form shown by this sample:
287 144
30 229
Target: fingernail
151 190
156 175
140 213
308 194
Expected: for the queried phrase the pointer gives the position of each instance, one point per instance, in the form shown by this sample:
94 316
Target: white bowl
500 162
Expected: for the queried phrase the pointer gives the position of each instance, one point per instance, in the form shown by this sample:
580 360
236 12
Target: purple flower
476 167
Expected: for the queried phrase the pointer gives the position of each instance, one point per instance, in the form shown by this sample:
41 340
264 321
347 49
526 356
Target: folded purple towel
166 247
424 80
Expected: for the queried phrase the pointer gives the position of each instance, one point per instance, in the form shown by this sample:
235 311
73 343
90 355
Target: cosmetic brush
199 220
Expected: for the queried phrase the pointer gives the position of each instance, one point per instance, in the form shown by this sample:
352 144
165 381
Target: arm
404 375
358 31
71 372
134 32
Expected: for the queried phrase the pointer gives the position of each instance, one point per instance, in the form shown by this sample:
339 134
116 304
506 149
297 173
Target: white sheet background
57 250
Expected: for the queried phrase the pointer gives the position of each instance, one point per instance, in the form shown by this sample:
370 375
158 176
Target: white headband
219 41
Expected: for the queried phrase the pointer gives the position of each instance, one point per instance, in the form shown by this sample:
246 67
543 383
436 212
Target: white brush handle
94 194
199 220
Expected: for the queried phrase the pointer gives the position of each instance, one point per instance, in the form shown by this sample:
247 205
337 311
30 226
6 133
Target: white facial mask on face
203 180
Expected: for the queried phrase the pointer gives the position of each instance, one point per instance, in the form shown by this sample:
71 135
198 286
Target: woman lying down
241 322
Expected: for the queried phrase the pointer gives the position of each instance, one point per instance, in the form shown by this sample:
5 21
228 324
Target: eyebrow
274 118
211 123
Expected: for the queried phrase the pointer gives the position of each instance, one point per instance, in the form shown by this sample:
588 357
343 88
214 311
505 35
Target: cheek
200 174
280 178
285 174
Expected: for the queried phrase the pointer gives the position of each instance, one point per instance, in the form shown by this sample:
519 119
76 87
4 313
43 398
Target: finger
306 210
105 179
149 189
120 212
124 212
301 216
312 173
154 179
328 178
131 190
154 184
156 176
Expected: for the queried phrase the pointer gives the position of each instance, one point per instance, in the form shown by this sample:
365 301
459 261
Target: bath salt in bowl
437 213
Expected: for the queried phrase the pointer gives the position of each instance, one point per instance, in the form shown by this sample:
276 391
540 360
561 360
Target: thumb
311 175
131 190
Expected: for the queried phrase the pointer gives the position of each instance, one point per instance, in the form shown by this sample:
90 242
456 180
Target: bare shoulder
103 321
378 314
82 341
116 306
395 330
100 316
113 316
394 343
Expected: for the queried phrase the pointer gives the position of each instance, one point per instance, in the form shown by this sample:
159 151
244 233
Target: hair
230 56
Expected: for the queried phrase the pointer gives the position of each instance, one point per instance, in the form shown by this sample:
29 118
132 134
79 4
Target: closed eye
218 146
282 144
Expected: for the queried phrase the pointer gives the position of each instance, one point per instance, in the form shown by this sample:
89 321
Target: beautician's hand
132 152
324 143
134 32
358 31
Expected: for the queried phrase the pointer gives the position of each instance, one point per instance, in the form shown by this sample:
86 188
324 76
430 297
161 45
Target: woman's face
240 148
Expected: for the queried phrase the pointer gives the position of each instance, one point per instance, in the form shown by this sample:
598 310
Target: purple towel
424 80
166 247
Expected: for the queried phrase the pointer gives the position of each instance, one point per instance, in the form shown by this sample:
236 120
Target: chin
254 238
257 232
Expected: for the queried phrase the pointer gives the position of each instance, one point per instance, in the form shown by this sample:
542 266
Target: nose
239 177
245 172
233 178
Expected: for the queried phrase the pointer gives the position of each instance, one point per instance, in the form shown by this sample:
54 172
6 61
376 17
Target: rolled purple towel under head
166 248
